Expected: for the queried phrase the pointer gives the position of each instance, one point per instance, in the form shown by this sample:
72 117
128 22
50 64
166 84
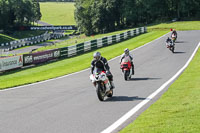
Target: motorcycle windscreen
126 59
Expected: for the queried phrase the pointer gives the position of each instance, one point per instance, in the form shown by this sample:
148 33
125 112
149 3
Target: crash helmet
126 51
97 55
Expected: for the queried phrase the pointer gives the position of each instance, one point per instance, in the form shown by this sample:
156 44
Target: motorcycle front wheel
126 73
100 93
172 49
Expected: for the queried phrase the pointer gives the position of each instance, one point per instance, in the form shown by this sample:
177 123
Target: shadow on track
138 79
179 52
180 42
123 99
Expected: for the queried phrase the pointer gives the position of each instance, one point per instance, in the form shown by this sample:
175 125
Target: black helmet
97 55
126 51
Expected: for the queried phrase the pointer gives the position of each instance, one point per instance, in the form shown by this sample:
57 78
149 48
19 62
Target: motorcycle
171 46
102 84
174 36
126 68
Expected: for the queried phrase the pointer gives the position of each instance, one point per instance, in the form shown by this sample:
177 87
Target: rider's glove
107 72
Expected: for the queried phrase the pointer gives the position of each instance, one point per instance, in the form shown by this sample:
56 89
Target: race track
70 105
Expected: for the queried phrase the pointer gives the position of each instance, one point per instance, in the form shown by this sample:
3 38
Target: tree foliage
18 12
99 16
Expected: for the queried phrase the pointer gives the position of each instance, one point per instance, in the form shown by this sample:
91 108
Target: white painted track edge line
120 121
12 88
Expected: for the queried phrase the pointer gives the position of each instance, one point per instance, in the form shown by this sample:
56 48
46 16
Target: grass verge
179 25
4 38
177 111
60 13
70 65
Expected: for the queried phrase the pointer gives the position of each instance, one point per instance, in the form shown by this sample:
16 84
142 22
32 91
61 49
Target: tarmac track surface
70 104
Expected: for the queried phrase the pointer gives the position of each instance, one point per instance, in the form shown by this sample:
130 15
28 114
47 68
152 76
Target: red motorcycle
174 37
126 68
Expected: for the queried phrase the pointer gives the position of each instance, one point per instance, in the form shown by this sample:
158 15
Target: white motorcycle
102 84
171 46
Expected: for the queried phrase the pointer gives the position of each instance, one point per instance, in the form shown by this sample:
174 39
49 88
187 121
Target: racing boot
133 69
112 85
94 83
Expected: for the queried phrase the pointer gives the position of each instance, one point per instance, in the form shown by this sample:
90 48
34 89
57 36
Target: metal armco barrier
32 40
26 42
98 43
41 57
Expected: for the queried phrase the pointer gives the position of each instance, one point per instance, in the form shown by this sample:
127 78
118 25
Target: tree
18 12
100 16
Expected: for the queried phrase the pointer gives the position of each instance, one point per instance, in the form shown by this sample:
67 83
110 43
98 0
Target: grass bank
177 111
67 66
58 13
179 25
16 35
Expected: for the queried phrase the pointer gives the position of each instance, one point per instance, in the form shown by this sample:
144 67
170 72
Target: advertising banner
61 27
11 63
41 57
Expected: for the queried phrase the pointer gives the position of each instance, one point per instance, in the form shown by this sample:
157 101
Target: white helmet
126 51
97 55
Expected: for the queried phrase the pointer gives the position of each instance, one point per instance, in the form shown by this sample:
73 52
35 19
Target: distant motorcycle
126 68
174 37
102 84
171 46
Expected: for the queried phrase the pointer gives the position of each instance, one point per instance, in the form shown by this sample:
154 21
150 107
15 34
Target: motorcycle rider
125 54
168 41
174 32
101 63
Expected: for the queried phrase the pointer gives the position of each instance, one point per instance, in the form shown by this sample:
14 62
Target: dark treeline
56 0
100 16
18 12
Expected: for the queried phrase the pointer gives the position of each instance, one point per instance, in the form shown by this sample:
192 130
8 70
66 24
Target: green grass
60 13
179 25
63 67
18 35
5 38
177 111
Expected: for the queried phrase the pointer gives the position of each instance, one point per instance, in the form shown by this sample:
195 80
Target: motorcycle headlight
96 77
